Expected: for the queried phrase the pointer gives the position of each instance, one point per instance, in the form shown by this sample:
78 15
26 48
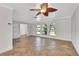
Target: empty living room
39 29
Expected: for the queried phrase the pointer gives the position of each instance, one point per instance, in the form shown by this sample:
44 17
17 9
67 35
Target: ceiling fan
44 9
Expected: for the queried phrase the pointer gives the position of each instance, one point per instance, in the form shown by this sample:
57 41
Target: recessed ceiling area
22 13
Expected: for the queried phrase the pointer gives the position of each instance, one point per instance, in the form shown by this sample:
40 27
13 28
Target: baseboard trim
54 37
16 38
6 50
75 48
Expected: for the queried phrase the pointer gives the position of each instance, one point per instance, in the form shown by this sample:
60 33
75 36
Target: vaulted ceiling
22 13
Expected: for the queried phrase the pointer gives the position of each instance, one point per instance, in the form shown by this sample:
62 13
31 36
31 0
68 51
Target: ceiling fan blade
34 9
51 9
45 14
38 13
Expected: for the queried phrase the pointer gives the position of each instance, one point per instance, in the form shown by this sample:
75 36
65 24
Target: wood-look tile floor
39 46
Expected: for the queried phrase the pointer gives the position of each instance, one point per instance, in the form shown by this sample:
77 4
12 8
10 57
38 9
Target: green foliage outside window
44 29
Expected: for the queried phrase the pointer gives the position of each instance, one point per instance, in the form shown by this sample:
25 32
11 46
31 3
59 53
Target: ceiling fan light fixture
43 11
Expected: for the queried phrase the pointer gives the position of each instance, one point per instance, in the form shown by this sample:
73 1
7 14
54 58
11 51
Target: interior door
5 28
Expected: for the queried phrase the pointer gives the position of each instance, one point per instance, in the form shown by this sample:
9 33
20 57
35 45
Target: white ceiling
22 13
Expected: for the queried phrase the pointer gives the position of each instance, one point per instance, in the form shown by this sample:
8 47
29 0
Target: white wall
29 29
75 29
63 28
16 30
5 28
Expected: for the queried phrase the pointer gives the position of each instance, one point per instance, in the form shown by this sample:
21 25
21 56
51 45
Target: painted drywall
75 29
5 28
16 30
63 28
29 29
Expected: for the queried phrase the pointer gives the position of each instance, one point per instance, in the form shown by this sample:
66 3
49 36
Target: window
52 30
46 30
38 28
